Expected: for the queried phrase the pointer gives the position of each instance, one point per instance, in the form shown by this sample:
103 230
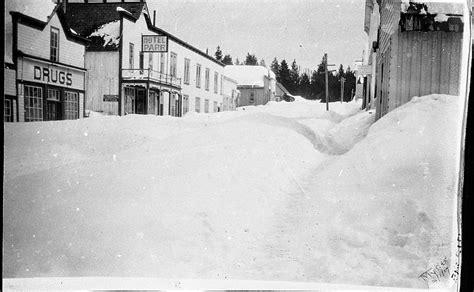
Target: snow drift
285 192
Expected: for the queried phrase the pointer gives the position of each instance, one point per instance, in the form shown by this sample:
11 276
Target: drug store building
137 68
46 75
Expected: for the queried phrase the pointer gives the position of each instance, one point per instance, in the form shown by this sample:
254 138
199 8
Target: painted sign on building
154 43
52 74
363 70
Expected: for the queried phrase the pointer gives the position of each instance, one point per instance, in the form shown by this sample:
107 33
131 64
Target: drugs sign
154 43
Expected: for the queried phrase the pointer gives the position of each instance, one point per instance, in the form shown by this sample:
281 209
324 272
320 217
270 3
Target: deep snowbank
284 192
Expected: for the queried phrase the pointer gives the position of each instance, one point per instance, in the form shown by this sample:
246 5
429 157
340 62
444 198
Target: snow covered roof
248 75
109 32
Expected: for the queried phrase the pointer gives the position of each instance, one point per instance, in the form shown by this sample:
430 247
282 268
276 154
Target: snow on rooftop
121 9
248 75
110 32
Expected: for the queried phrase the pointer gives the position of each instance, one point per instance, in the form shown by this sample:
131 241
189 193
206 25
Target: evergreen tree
340 72
350 85
304 88
262 63
275 67
284 74
227 60
294 78
317 83
251 60
218 54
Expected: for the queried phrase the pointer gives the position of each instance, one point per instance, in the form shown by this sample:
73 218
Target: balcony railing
151 75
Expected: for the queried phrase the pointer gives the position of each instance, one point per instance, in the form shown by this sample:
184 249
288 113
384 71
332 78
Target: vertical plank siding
418 63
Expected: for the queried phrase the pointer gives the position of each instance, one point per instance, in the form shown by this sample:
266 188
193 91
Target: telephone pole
342 87
326 78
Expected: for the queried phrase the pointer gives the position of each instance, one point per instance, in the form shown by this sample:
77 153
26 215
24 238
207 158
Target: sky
301 30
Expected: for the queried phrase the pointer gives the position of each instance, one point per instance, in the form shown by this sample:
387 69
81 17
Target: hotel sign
154 43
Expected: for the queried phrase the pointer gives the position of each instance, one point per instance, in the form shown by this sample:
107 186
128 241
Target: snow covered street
281 192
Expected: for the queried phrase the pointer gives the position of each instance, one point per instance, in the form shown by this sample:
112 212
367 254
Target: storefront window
7 110
33 103
71 105
215 107
129 100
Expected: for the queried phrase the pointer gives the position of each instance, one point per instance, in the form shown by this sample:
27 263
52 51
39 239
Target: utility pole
342 87
326 78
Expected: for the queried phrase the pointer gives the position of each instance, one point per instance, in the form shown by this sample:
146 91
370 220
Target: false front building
45 74
257 84
135 67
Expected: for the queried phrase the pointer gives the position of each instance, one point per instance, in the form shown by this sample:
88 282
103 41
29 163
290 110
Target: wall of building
229 93
9 82
102 79
389 19
245 91
37 42
132 34
419 63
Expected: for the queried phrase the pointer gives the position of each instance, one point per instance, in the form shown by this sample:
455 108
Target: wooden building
45 77
257 84
418 53
281 93
159 74
230 94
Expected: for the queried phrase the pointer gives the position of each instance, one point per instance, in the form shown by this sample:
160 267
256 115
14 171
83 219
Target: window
150 61
53 94
197 105
130 56
208 72
185 104
71 105
141 60
7 110
162 63
206 105
215 107
54 45
216 81
173 62
129 100
198 76
33 103
186 71
252 97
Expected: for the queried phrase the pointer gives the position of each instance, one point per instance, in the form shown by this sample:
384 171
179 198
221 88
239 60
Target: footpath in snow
285 192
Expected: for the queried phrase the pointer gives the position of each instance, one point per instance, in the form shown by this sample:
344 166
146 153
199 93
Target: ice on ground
285 192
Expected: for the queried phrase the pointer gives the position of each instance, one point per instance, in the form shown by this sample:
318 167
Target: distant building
162 76
281 93
257 84
418 51
230 94
44 77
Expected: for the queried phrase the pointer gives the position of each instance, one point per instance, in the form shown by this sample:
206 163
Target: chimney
154 17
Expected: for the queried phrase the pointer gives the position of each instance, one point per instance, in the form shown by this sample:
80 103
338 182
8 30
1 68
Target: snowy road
285 192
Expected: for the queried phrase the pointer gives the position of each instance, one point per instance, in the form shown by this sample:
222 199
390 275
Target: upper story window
150 61
141 60
130 56
216 81
198 76
173 62
162 63
208 72
187 63
54 46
